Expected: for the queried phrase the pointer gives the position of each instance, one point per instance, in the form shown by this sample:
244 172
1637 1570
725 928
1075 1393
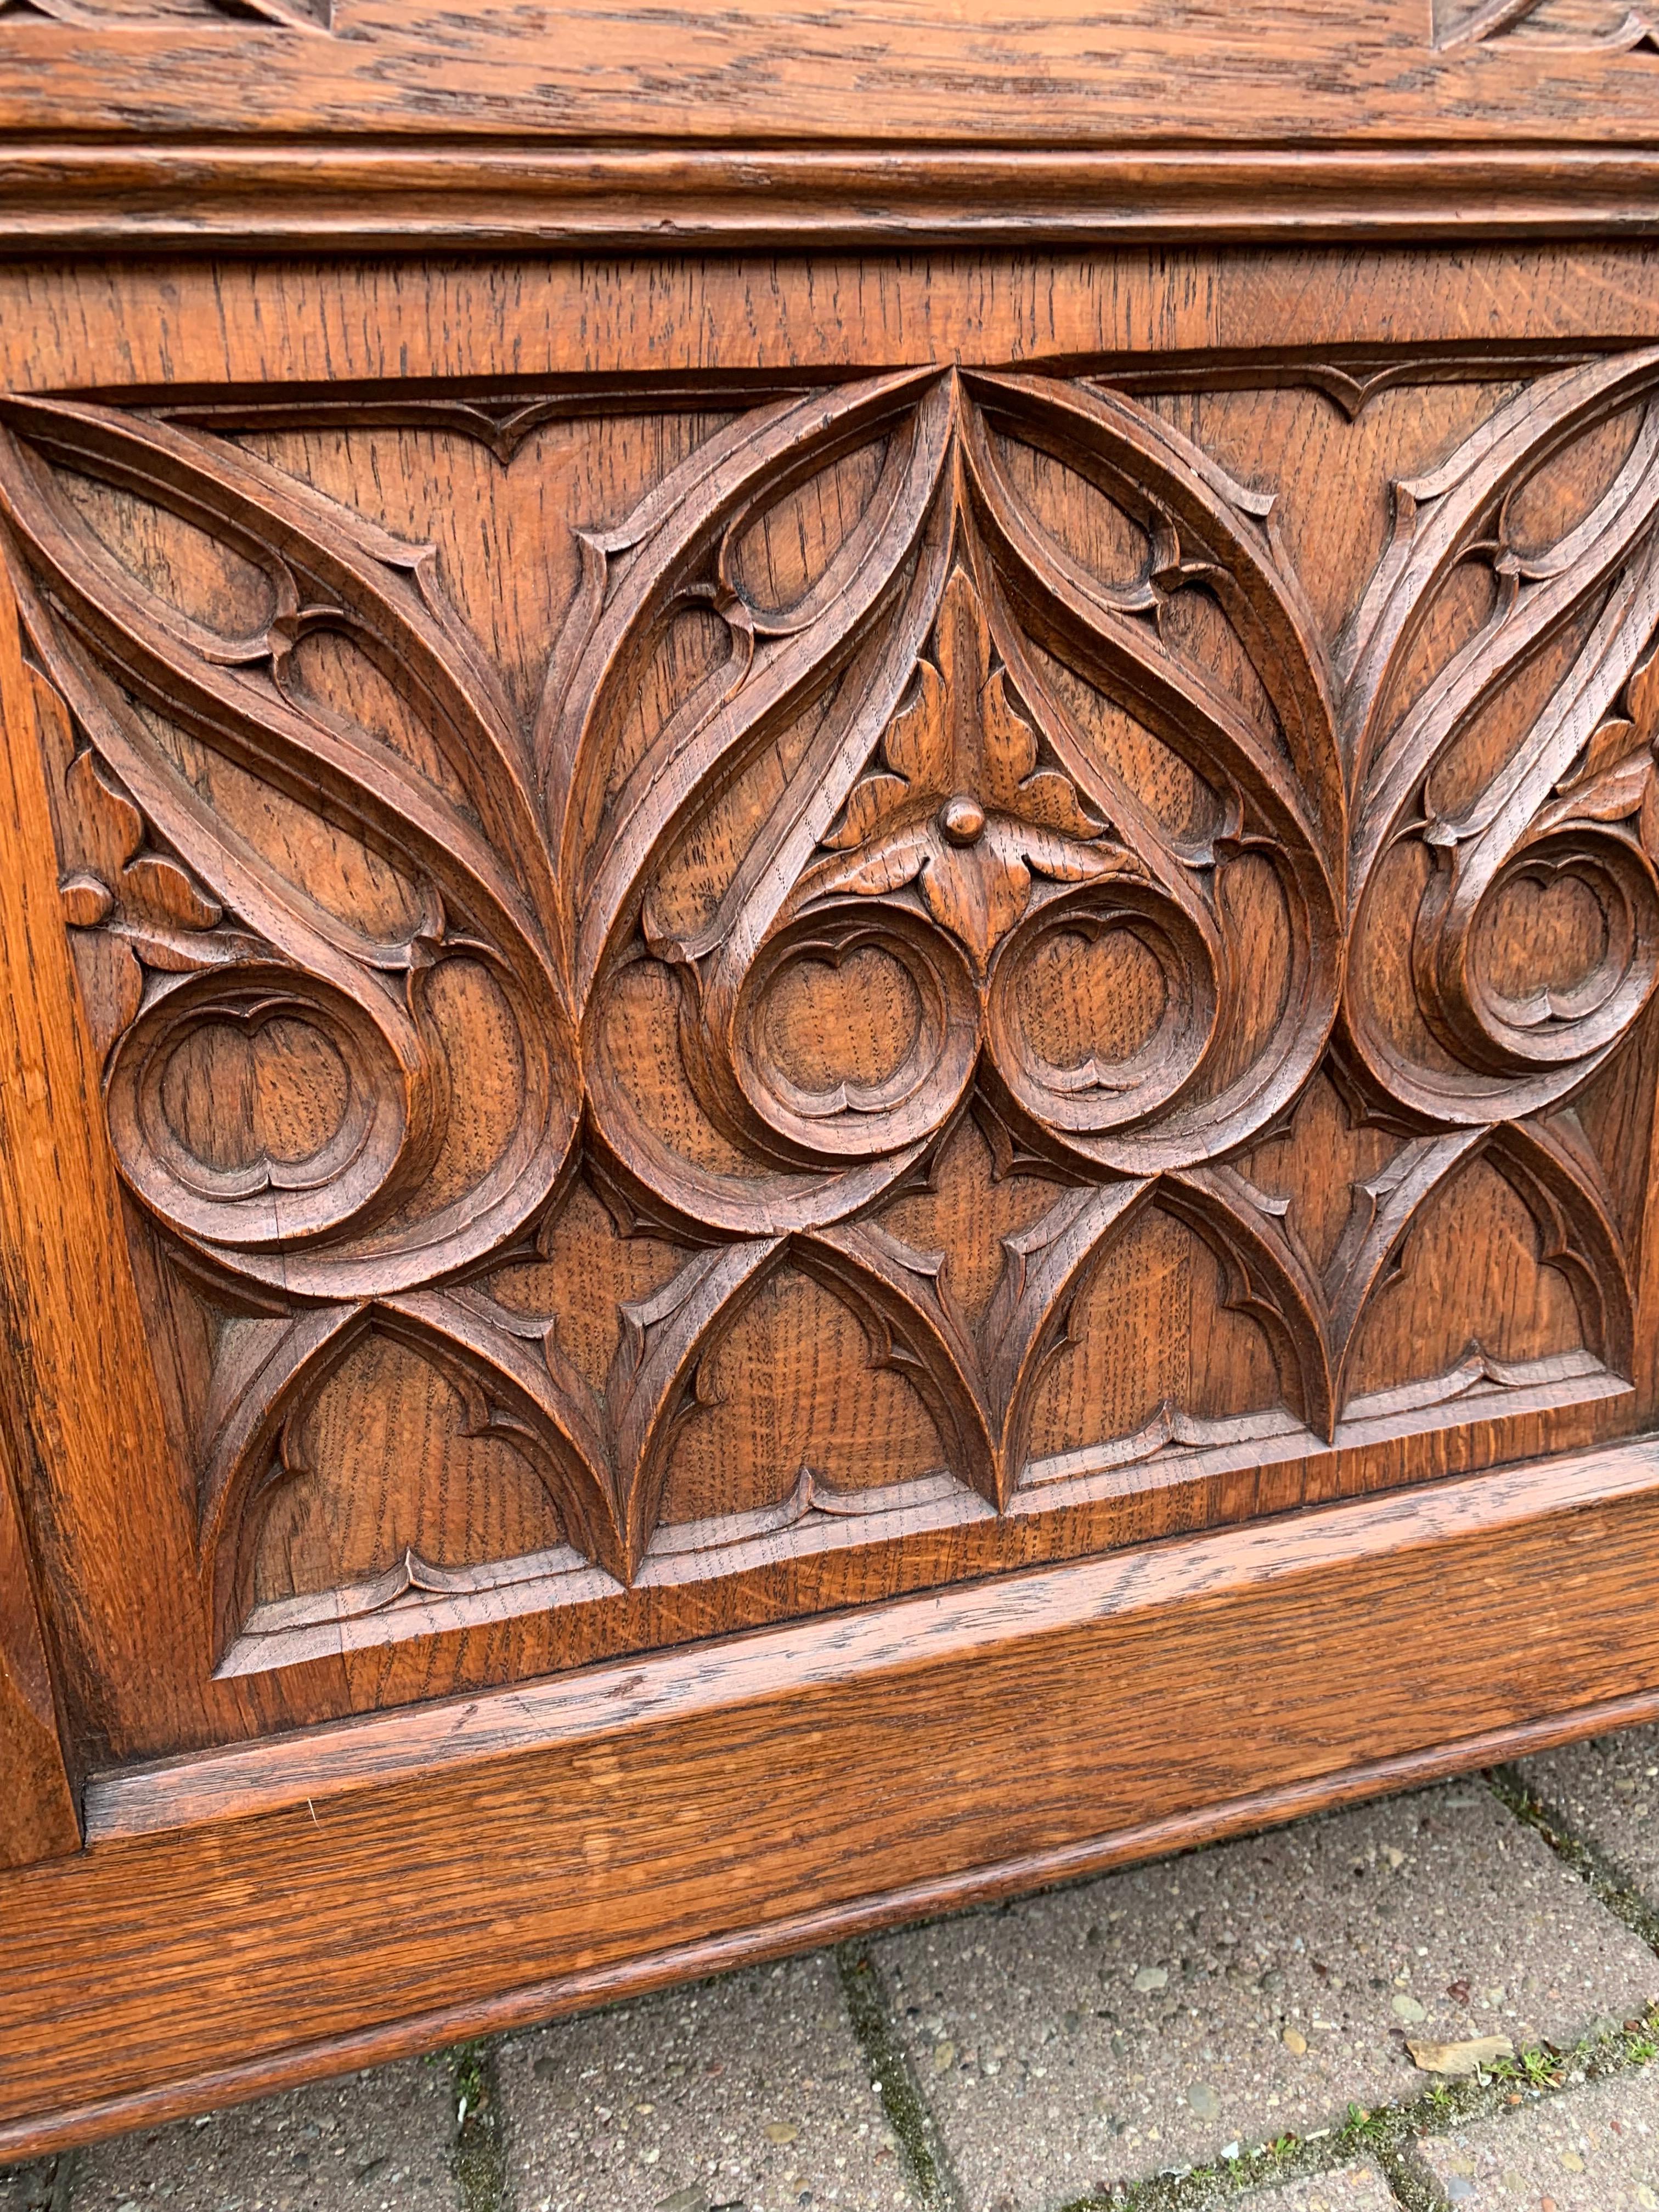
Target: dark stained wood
37 1817
1063 1722
817 991
301 197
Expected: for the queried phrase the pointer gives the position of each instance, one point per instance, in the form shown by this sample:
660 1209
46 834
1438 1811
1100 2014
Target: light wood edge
536 2001
932 1629
390 195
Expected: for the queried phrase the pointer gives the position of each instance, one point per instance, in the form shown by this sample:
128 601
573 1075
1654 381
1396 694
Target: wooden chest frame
828 928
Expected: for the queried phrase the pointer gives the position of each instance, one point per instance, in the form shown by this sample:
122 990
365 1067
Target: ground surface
1231 2027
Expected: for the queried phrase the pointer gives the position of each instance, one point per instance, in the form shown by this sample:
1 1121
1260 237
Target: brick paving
373 2142
752 2090
1229 2026
1345 2189
1149 2019
1607 1792
1597 2151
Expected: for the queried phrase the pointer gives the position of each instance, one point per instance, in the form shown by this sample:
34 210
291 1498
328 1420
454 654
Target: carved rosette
879 801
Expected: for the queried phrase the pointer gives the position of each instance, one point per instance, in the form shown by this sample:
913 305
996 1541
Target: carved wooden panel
114 15
1542 27
693 979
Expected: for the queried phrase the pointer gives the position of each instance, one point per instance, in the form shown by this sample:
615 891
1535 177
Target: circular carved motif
203 1093
837 987
1101 1010
840 1023
246 1099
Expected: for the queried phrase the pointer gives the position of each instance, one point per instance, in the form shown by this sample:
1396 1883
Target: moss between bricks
930 2179
1388 2138
480 2151
1599 1874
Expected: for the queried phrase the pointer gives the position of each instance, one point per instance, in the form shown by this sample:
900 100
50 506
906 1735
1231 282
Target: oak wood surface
1075 71
1000 1191
37 1820
341 2052
829 929
300 196
147 327
934 1634
77 1364
1088 1712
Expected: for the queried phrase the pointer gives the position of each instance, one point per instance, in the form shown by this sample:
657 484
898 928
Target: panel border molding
397 197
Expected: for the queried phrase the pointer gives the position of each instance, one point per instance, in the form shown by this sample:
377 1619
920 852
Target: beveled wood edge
928 1630
536 2001
375 197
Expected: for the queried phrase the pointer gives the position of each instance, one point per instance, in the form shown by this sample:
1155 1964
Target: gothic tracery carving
889 775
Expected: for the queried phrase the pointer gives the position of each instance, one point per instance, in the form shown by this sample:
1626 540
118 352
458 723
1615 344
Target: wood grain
40 1820
806 1930
79 1374
142 327
1072 72
916 803
934 1635
302 197
829 921
1059 1735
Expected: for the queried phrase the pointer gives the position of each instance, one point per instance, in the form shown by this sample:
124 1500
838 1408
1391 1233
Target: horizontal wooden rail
255 1914
399 198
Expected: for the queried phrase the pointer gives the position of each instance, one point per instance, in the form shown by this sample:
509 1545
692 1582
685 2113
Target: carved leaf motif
87 900
146 899
961 807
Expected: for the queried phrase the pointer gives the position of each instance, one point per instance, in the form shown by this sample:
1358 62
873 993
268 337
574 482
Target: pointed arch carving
791 872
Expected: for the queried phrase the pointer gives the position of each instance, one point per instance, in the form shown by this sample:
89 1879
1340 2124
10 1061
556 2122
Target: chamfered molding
400 196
